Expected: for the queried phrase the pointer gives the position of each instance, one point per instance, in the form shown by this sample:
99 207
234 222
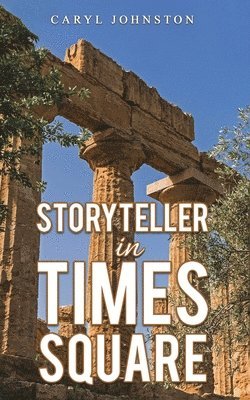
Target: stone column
160 307
66 330
179 251
231 355
19 252
41 331
187 187
113 161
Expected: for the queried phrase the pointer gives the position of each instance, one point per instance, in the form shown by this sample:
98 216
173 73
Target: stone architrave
189 186
113 162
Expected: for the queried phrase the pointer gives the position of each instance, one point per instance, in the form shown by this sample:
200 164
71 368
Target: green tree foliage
224 250
225 253
23 88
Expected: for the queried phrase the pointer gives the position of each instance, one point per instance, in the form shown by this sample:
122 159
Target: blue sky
203 68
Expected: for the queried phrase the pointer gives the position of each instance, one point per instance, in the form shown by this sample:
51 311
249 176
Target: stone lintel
96 65
169 149
188 176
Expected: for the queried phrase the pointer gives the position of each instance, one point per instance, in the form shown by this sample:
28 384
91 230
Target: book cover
124 142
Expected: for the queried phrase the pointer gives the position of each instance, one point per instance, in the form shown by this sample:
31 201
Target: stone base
19 368
11 389
20 380
17 390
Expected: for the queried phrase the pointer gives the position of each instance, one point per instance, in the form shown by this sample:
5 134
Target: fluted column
19 252
231 355
179 251
187 187
113 160
160 307
66 330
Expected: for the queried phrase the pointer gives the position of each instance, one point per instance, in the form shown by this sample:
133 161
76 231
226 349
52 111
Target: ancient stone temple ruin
131 125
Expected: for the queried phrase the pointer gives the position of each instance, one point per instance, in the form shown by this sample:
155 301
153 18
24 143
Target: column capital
190 185
106 148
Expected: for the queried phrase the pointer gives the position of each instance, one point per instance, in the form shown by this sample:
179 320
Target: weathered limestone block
183 123
163 159
103 108
159 392
167 113
112 108
88 60
22 390
180 122
132 88
18 368
103 71
75 393
150 100
17 390
51 392
208 164
67 328
113 162
154 131
136 92
187 176
106 108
